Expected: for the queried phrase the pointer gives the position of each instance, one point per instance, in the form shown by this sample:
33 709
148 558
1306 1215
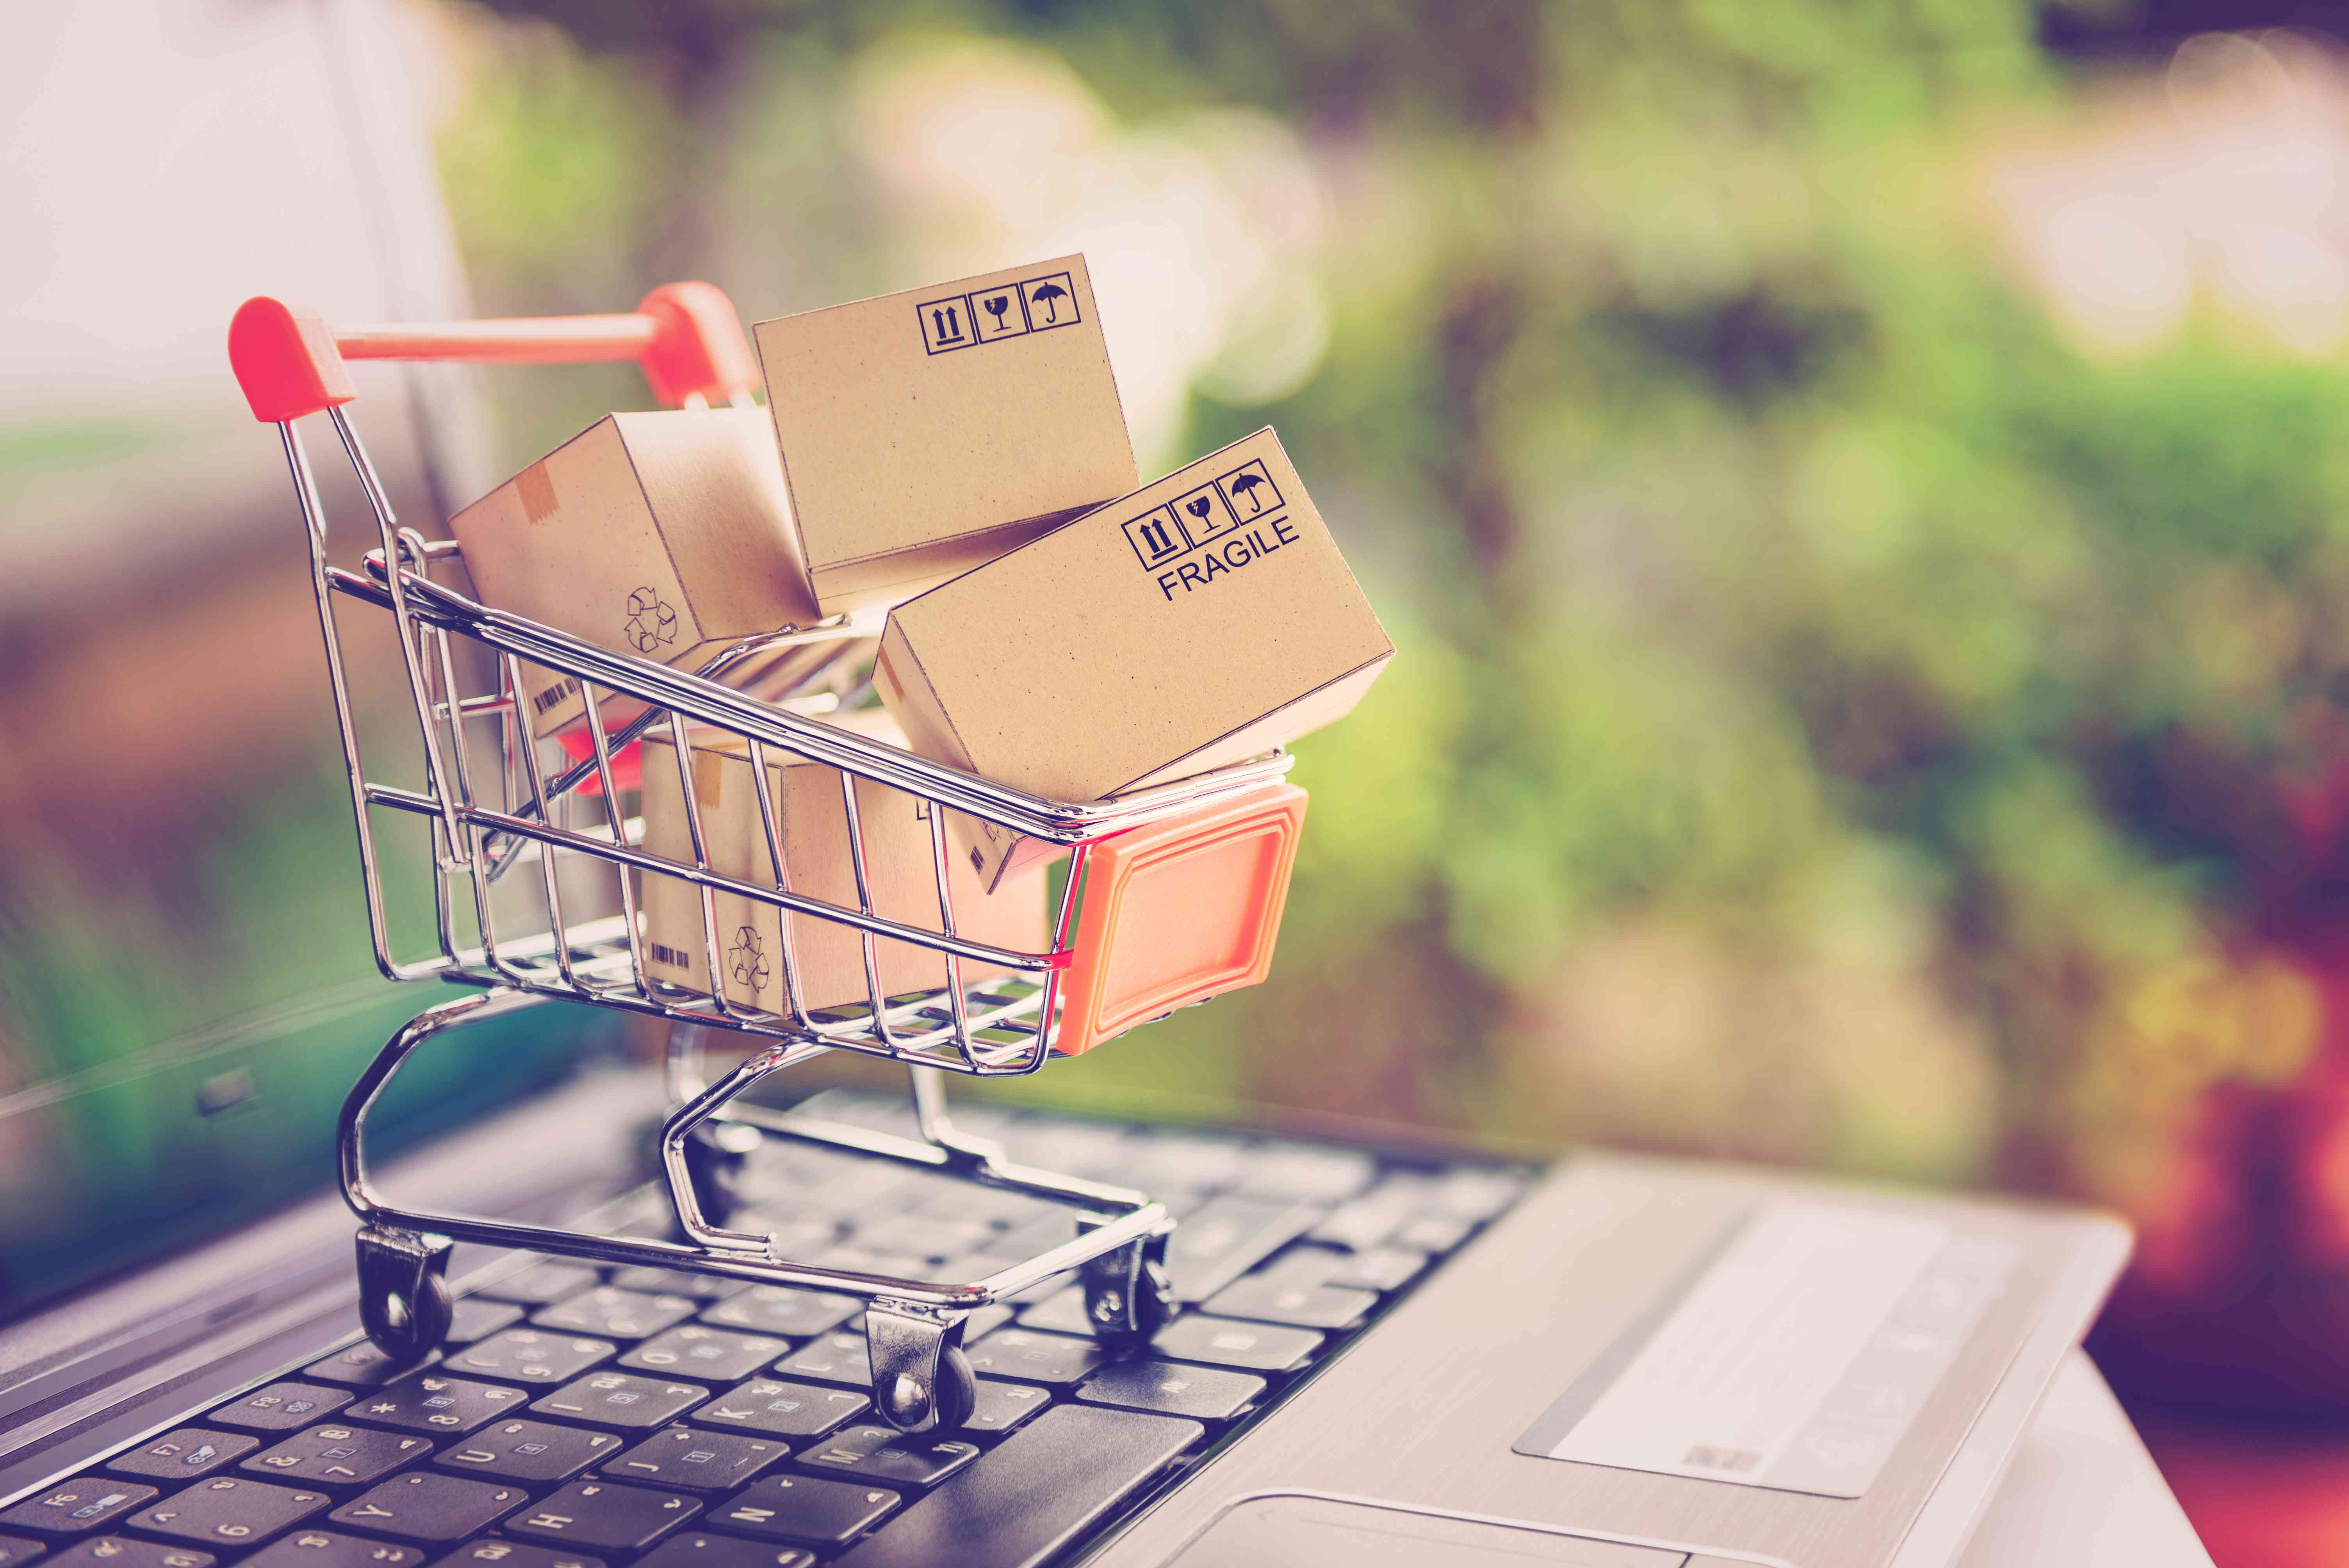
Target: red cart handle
686 337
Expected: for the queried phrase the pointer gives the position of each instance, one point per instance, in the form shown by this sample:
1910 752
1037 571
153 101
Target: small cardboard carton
927 431
1205 619
813 821
666 535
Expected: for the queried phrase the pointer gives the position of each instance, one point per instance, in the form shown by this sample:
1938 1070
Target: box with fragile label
665 535
1202 619
812 818
927 431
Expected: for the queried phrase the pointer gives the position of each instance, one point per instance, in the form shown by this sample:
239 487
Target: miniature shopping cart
1173 894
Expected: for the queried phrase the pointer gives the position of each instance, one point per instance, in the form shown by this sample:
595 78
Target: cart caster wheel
404 1300
922 1381
1128 1296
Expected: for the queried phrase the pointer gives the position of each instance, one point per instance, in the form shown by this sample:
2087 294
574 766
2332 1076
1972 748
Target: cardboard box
1205 619
927 431
813 821
666 535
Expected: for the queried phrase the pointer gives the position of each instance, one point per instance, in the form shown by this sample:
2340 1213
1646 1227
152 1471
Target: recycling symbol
651 624
748 960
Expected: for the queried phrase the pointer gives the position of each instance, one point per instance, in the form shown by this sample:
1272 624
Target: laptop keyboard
587 1417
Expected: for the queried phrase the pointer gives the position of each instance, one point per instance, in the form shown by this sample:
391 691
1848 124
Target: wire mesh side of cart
492 803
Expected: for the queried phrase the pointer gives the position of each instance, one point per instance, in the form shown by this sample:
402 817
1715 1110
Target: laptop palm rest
1288 1529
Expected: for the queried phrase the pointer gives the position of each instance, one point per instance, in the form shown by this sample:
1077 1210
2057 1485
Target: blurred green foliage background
1863 631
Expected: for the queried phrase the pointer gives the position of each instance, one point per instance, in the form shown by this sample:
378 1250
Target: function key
514 1554
713 1355
445 1406
1249 1347
337 1456
477 1317
622 1399
890 1458
534 1356
540 1284
425 1505
229 1512
326 1549
782 1409
123 1551
1164 1389
1001 1407
360 1366
282 1407
77 1507
696 1460
1050 1359
527 1451
695 1550
781 1309
618 1314
604 1517
804 1508
181 1455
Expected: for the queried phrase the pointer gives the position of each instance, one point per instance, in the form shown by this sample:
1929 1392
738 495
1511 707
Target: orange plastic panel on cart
1178 912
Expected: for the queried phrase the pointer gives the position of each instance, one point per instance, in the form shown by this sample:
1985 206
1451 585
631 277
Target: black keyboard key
123 1551
696 1460
337 1456
541 1285
1032 1357
695 1550
77 1507
777 1409
1001 1407
15 1550
839 1356
1165 1389
326 1549
1378 1268
679 1282
806 1508
534 1356
229 1512
1270 1298
526 1451
282 1408
615 1314
497 1554
1432 1233
1039 1491
932 1239
477 1317
1063 1312
887 1457
712 1355
602 1517
360 1366
428 1506
780 1309
1223 1342
1474 1195
622 1399
181 1455
436 1404
1302 1172
1228 1235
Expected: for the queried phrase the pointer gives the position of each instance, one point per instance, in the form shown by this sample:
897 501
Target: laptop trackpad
1283 1531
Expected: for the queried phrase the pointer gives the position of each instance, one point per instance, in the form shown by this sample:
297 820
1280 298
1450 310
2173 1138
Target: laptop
1380 1354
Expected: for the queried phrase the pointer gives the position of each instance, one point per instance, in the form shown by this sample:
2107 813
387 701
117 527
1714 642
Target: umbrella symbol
1045 294
996 307
747 959
651 624
1246 486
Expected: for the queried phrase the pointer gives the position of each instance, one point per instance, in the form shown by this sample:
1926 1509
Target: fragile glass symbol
1199 508
996 307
